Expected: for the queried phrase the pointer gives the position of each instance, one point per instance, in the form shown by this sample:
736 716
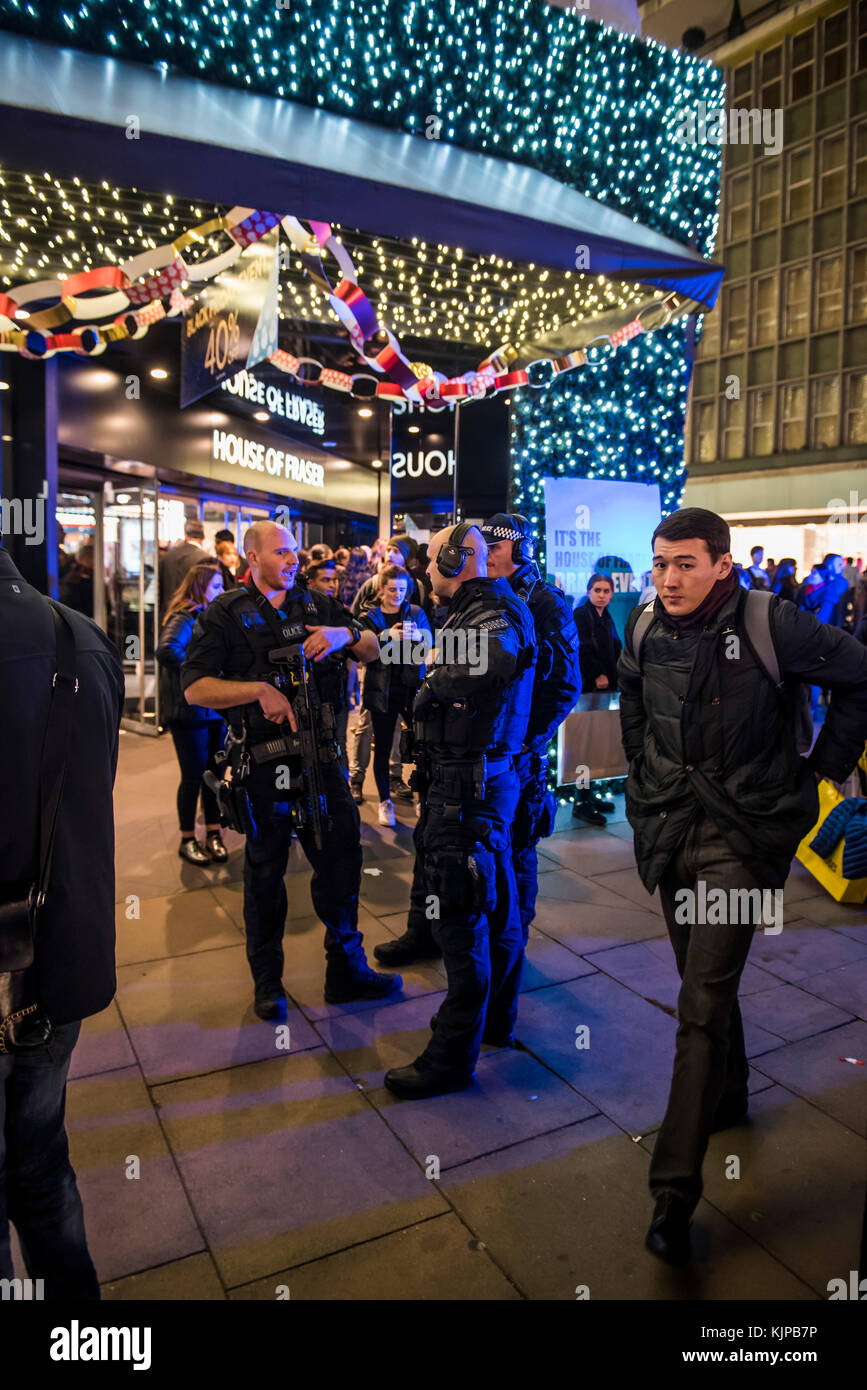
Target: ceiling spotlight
414 429
159 373
376 463
22 313
4 385
261 415
365 412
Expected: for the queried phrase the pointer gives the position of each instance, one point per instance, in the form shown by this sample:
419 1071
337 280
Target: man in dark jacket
73 970
178 559
719 798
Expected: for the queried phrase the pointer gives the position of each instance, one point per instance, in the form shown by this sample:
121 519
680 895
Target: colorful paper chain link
147 279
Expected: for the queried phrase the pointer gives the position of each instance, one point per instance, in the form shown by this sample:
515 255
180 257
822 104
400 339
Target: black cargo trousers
334 887
534 820
464 892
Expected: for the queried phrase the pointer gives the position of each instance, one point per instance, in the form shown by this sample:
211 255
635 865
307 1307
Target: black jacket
174 640
380 676
600 646
557 679
174 564
704 728
75 945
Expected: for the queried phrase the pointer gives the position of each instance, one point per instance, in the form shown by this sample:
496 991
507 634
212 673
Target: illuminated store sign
261 458
287 404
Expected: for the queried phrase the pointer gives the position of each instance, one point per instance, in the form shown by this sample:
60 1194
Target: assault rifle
304 741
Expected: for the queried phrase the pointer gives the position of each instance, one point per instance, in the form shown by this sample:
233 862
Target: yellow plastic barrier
829 872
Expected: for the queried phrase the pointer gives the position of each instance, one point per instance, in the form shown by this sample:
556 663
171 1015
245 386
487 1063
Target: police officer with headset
229 667
469 723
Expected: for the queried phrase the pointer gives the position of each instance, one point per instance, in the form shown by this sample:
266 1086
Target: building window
803 53
742 81
858 284
861 57
708 345
761 422
772 78
704 432
735 315
768 194
765 309
793 416
738 206
856 408
796 301
825 413
832 161
799 182
733 429
834 38
859 159
829 292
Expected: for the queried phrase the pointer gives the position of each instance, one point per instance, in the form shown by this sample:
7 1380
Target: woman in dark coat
598 653
197 733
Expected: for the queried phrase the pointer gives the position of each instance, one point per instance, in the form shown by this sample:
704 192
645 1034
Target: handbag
23 1023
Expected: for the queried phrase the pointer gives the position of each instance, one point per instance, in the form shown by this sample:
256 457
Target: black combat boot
270 1001
343 986
417 1081
410 947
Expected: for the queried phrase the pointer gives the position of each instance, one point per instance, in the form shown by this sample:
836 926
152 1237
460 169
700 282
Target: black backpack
757 624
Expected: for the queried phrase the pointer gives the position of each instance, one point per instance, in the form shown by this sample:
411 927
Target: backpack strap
757 621
639 632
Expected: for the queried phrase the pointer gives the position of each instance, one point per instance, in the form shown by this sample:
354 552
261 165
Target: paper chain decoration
132 295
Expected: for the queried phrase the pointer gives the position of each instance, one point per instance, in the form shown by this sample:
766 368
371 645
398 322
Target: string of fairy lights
542 85
51 227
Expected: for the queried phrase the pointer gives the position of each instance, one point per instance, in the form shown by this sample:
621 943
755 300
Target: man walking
719 798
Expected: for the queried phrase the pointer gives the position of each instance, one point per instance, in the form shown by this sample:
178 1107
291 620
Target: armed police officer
469 723
269 655
556 687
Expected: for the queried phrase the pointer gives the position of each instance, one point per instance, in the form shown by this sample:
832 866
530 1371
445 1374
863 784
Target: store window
803 54
856 408
834 38
738 206
768 194
799 182
825 413
793 417
761 422
772 78
832 165
796 301
829 292
765 309
859 159
735 313
857 284
704 432
733 429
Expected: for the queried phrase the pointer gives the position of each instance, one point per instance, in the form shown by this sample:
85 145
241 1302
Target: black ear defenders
523 550
452 556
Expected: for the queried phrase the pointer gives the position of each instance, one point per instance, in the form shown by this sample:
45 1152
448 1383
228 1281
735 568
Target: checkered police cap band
501 530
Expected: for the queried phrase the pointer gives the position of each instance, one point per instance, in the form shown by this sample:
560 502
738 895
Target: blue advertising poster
232 322
594 524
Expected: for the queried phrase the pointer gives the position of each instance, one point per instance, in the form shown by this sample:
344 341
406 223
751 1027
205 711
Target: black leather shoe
399 791
492 1037
364 984
732 1110
668 1236
215 847
406 949
269 1001
584 810
600 804
415 1082
357 790
192 851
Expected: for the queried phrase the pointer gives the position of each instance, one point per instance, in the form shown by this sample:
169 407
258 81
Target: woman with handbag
197 733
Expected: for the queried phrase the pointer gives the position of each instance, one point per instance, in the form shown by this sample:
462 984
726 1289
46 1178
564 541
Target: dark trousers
334 887
534 819
195 745
383 737
38 1191
464 883
710 1063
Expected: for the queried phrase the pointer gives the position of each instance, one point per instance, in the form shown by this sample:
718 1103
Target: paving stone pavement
274 1159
